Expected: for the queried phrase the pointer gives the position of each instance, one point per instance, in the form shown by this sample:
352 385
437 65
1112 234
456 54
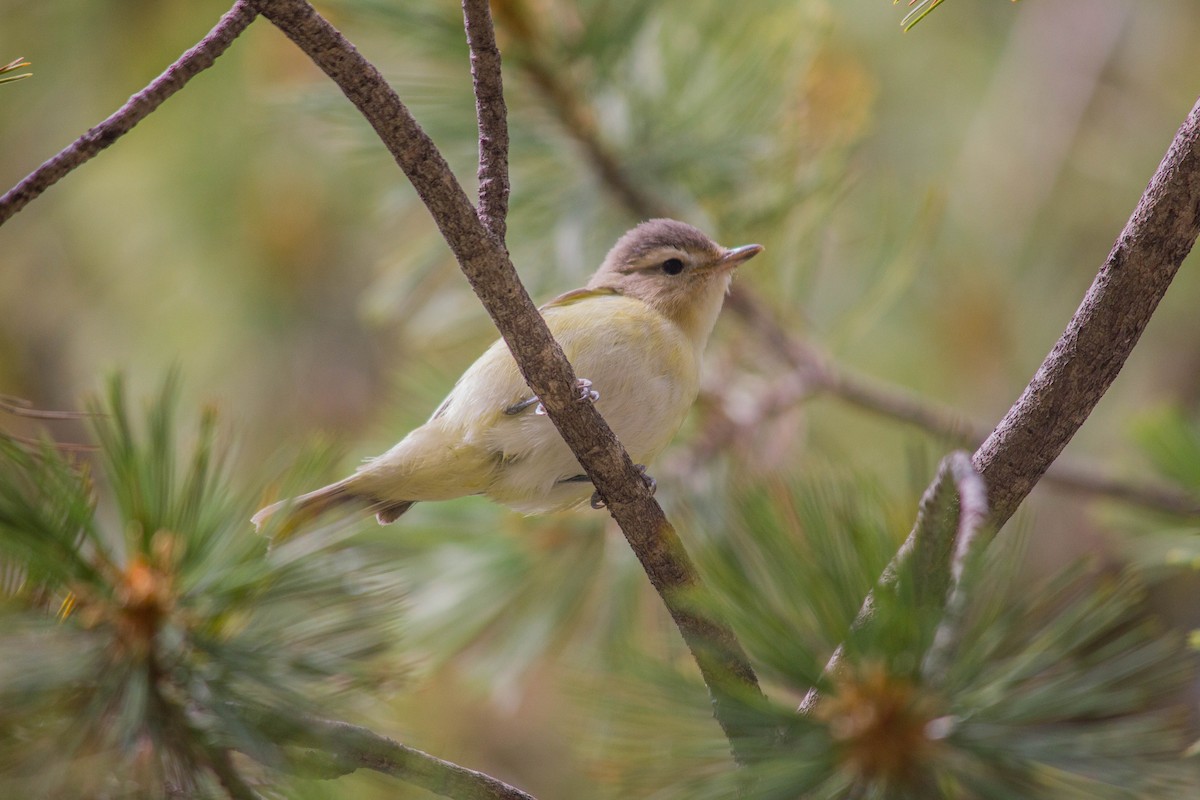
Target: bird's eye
672 266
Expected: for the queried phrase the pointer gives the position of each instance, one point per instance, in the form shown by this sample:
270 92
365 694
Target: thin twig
956 500
1071 476
19 407
722 662
972 520
1089 354
136 108
492 115
219 761
577 117
354 747
181 733
818 372
814 372
34 446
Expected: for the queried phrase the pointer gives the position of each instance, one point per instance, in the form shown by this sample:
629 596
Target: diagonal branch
577 118
722 662
1100 336
972 513
817 371
955 502
339 748
492 114
136 108
814 372
1091 351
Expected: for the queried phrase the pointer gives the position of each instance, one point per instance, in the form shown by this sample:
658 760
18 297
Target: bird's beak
733 258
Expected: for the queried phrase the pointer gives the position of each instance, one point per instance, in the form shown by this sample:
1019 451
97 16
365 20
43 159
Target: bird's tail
307 507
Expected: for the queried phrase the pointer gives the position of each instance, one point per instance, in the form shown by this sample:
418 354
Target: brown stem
955 501
815 372
972 512
1100 336
722 662
818 372
1087 357
136 108
342 748
492 115
577 118
194 744
19 407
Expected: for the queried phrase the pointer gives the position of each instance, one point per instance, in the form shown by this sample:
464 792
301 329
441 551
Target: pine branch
918 10
815 372
492 114
19 407
1100 336
136 108
915 15
970 499
574 114
219 761
13 66
955 502
339 748
722 662
818 372
1091 351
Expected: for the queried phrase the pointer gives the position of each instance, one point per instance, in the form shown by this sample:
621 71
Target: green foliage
700 109
1170 441
1066 689
13 66
497 596
148 631
751 119
793 566
918 10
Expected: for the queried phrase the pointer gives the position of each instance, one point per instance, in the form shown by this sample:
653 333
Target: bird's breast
645 368
642 364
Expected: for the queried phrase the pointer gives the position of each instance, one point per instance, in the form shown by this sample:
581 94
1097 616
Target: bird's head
674 268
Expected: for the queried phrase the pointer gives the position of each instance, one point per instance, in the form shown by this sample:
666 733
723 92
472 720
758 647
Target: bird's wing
574 296
525 402
493 386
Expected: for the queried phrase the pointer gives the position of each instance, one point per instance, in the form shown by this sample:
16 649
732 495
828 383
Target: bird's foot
586 394
647 479
598 503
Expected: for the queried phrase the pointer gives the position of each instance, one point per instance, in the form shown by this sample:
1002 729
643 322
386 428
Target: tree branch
972 512
722 662
1100 336
955 501
815 372
339 748
136 108
576 117
493 117
231 781
1091 351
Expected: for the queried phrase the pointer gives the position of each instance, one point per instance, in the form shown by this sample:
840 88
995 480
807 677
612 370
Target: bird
637 330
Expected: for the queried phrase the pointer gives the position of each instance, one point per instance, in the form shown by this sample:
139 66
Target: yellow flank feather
637 332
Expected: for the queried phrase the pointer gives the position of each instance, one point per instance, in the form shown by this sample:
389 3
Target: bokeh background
933 203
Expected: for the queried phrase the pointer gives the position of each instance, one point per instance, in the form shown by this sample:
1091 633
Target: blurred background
933 205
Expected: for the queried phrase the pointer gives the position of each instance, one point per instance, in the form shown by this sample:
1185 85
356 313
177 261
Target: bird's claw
586 394
597 502
647 479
